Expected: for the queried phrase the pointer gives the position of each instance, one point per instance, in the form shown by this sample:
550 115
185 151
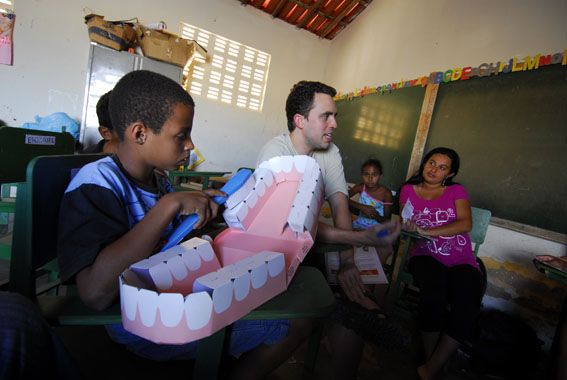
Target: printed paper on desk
368 264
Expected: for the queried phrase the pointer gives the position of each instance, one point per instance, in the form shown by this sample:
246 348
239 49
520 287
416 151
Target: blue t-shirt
101 204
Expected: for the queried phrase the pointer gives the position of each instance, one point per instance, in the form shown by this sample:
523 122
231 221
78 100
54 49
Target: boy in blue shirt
119 210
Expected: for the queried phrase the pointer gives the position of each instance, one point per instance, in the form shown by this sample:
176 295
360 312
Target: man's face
320 123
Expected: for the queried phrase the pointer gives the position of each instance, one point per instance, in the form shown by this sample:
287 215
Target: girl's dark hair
455 164
372 162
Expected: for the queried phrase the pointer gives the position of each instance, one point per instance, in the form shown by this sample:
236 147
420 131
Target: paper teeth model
185 294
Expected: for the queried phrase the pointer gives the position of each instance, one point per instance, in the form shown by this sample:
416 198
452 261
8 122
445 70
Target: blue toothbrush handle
187 225
382 233
179 233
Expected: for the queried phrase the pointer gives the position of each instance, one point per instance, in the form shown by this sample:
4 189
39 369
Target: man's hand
350 282
370 235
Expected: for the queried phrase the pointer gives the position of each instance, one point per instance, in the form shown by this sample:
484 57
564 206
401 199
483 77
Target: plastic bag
56 122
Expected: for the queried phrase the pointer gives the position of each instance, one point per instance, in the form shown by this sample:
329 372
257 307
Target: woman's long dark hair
417 178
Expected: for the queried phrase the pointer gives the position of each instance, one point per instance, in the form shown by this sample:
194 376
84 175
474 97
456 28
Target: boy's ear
105 132
138 133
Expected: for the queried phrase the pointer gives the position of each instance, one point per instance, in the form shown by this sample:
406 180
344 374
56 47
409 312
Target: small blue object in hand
382 233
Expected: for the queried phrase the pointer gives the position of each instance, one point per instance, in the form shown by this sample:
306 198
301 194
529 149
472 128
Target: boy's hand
371 234
197 202
214 192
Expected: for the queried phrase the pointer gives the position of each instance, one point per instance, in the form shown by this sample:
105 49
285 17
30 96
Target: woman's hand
410 226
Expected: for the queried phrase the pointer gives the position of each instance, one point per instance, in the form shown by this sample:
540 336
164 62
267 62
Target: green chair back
17 147
37 217
480 219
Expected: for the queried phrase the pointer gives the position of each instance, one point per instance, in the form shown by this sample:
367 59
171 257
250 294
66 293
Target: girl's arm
462 224
356 189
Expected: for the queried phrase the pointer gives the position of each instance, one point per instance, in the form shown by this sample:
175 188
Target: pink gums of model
190 291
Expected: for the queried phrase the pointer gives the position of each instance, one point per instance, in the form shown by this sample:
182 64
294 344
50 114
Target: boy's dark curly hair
300 99
102 111
146 97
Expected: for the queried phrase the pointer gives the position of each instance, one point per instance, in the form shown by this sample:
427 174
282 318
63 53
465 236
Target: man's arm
348 276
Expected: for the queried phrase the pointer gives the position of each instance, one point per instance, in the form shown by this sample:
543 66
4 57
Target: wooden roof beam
338 19
312 9
279 8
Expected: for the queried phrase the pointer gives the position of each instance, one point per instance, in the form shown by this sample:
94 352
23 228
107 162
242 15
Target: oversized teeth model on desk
189 291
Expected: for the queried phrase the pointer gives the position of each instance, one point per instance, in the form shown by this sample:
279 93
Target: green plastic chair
404 279
17 147
35 246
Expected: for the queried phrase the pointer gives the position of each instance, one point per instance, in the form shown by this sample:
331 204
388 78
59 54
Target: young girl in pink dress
444 268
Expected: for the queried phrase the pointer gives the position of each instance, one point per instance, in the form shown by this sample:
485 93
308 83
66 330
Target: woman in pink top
444 268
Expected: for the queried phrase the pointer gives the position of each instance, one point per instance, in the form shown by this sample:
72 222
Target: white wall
51 51
394 40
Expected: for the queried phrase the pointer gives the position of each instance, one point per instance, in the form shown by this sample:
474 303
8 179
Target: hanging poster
6 31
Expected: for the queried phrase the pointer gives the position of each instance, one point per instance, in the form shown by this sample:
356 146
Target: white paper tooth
309 221
259 276
198 310
276 264
251 199
275 164
239 195
222 297
286 163
301 162
129 299
232 220
161 276
147 304
264 175
170 307
241 286
176 249
260 188
177 268
206 252
191 259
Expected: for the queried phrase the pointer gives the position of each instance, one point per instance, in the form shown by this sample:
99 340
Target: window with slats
6 6
233 74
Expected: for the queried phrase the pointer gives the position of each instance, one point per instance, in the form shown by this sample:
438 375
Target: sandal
372 325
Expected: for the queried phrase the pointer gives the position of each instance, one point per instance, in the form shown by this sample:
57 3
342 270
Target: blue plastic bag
55 123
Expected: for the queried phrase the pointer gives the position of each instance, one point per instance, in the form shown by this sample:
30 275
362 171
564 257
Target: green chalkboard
511 133
382 127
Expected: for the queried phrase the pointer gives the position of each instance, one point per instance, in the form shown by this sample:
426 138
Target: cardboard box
167 47
118 35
